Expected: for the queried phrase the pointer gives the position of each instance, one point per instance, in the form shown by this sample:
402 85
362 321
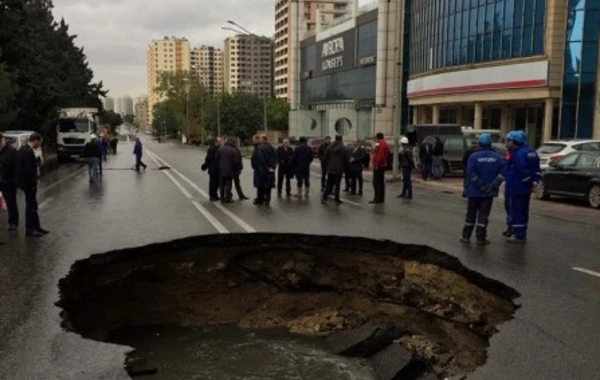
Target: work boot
338 201
298 192
515 240
508 232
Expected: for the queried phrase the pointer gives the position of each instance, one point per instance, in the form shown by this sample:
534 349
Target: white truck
73 130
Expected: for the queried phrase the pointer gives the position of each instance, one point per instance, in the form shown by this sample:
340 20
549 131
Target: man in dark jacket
323 158
8 184
228 161
348 173
93 154
357 159
426 158
284 169
210 164
437 167
485 175
264 163
236 178
337 162
138 151
27 178
301 160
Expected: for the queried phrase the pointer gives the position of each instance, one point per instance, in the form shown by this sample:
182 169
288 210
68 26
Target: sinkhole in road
287 306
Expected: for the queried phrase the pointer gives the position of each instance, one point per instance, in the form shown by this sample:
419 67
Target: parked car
19 139
577 175
557 149
455 147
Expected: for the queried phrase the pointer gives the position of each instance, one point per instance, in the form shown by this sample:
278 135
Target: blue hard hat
485 139
519 137
510 136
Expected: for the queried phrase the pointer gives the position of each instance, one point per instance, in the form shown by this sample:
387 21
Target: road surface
555 335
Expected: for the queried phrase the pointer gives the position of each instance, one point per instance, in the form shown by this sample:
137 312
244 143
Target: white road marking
220 227
45 203
346 200
587 271
245 226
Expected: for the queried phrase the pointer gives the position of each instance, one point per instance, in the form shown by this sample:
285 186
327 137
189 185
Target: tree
111 118
129 119
7 97
241 115
278 114
165 121
46 70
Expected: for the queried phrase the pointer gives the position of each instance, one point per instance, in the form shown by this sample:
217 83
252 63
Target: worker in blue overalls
485 174
522 176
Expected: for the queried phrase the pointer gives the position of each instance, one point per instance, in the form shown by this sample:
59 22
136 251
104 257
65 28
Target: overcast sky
116 33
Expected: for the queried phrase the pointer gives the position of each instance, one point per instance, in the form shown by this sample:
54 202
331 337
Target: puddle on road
227 352
334 289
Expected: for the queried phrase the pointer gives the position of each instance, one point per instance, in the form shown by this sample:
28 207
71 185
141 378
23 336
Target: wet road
555 335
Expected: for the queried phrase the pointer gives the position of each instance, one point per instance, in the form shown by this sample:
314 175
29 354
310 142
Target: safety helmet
519 137
485 139
404 140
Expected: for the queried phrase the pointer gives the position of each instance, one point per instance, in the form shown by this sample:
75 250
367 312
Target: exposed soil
310 285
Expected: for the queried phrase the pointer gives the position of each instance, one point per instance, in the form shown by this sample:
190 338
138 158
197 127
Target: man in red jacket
380 164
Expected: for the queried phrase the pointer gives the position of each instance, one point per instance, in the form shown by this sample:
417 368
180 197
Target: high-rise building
109 103
313 13
207 66
167 55
124 105
141 114
248 64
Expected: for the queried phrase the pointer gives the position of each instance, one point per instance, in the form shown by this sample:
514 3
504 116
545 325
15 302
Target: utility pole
218 118
265 113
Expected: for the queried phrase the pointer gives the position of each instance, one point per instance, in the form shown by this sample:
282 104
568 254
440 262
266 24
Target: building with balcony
167 55
248 64
507 64
207 65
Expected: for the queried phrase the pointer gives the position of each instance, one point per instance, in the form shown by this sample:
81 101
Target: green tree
278 114
129 119
7 97
47 70
241 115
111 118
165 122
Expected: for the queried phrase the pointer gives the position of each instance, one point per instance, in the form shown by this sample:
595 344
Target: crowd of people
19 170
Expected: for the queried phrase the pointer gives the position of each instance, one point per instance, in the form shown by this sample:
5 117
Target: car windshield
73 125
550 148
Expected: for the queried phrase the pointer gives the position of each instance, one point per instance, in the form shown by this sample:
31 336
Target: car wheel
594 196
540 191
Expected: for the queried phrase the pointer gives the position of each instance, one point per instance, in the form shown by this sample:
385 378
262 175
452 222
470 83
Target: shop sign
367 61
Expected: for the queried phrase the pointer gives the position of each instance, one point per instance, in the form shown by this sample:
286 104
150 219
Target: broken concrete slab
390 362
363 341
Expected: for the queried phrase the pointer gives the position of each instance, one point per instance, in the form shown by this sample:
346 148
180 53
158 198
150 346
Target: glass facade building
446 33
580 69
351 81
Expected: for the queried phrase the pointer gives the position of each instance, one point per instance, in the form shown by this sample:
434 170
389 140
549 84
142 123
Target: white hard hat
404 140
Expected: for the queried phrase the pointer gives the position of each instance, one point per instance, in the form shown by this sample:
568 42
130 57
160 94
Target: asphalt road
555 335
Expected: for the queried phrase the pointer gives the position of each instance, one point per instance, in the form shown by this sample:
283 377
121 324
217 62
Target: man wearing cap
523 174
484 177
408 165
8 184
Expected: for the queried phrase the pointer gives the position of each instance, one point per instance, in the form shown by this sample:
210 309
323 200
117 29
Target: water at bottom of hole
226 352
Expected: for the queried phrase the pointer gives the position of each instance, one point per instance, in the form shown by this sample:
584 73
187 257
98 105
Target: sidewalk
447 184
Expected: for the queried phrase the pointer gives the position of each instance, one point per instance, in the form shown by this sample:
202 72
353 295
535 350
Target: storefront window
580 70
447 33
356 84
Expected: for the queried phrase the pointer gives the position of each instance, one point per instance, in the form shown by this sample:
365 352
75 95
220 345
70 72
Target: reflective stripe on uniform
469 224
525 179
481 225
519 225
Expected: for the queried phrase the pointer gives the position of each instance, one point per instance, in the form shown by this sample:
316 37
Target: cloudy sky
115 33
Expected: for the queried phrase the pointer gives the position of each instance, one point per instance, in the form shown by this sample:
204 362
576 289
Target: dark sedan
577 175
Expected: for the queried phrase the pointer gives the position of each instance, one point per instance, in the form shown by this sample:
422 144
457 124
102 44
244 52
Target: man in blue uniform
484 176
509 138
522 175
